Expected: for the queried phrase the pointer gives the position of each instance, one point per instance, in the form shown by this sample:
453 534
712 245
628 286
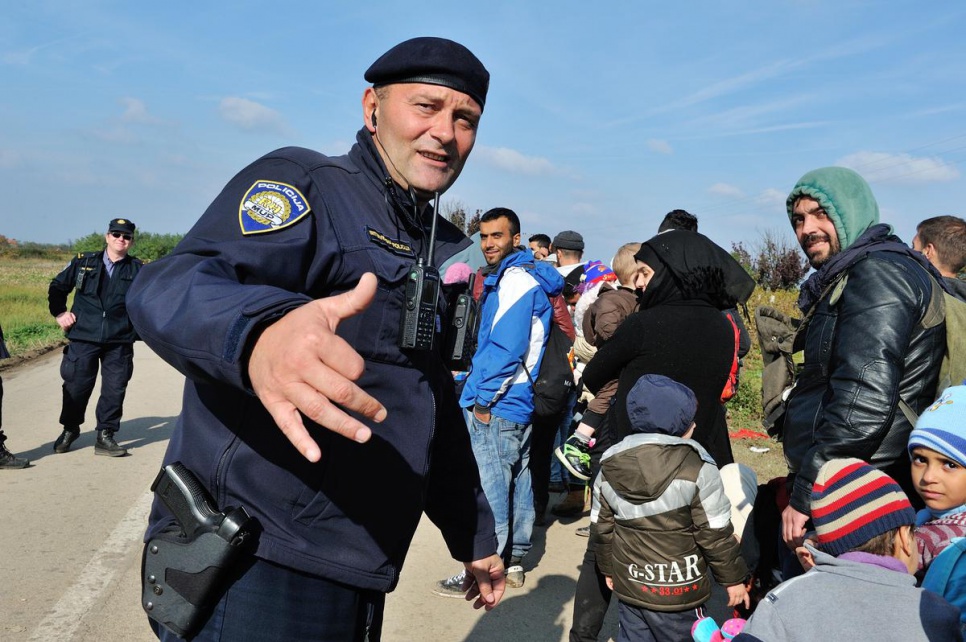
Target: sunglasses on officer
118 235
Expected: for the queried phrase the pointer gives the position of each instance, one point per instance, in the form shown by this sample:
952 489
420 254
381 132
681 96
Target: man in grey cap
313 398
568 246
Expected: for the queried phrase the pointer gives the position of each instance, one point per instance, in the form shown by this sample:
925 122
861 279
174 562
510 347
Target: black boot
10 461
105 445
66 438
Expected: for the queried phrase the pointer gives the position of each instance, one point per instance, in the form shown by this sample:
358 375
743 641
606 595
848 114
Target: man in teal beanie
865 344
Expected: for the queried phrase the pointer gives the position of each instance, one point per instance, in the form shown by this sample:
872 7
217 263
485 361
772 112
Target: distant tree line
147 246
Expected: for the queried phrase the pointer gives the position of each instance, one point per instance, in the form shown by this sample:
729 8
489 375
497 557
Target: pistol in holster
184 569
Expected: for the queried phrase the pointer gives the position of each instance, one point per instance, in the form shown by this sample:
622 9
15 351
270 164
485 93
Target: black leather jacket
863 351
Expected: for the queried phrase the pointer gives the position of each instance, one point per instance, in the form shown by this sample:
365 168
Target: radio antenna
432 232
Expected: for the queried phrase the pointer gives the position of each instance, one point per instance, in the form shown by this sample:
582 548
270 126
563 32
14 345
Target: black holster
182 579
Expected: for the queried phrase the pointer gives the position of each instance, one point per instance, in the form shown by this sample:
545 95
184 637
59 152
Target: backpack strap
934 315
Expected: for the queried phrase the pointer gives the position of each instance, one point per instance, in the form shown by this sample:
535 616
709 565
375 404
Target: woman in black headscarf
679 332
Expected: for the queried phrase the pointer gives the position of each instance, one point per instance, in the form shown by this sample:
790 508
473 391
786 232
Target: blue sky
601 116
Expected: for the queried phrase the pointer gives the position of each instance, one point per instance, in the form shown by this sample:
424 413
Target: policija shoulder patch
269 206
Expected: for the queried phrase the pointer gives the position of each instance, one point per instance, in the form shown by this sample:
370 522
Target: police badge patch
269 206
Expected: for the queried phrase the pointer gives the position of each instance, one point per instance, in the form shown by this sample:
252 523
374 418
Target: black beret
121 225
434 61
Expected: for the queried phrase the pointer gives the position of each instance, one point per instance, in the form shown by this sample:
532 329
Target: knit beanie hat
852 502
658 404
845 197
942 426
595 272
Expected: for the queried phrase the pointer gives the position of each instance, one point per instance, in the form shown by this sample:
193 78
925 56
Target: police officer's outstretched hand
299 364
485 582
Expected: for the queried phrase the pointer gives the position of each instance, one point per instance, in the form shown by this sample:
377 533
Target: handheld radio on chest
417 329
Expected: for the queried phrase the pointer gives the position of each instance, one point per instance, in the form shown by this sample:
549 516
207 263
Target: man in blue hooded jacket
515 317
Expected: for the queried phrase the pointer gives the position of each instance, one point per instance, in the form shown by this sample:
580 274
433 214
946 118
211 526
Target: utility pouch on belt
183 570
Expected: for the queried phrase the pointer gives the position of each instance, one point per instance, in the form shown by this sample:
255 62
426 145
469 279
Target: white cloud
877 167
660 146
723 189
135 111
513 161
250 116
772 197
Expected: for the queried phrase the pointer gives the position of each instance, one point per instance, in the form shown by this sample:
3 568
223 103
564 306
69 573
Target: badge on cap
269 206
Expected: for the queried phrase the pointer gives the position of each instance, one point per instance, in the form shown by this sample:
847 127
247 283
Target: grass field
28 327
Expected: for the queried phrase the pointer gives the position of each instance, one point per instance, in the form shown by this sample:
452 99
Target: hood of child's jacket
644 474
546 275
845 197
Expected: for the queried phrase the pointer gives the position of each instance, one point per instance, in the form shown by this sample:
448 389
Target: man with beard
514 324
866 348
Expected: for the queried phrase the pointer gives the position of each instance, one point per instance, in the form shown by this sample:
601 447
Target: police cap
121 225
433 61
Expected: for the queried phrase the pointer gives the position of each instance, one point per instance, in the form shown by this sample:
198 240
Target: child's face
642 276
940 481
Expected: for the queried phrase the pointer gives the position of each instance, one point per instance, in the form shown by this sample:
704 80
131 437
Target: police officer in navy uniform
100 331
283 307
8 461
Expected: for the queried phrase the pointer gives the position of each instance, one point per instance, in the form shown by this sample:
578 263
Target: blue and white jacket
514 325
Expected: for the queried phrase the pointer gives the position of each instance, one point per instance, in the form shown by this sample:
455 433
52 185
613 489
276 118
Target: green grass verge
27 324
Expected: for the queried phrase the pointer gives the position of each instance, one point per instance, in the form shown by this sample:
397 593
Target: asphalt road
71 527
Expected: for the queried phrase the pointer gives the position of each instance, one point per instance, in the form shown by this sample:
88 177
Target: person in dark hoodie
865 344
679 332
305 401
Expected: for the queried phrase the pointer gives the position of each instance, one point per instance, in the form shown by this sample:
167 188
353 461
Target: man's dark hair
503 212
542 240
948 235
679 220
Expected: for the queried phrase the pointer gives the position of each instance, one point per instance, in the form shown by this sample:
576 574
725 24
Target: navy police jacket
292 227
99 302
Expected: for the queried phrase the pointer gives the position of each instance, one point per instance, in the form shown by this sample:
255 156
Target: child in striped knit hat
937 447
861 587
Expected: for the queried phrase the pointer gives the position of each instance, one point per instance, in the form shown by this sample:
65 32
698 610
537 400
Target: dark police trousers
271 602
79 372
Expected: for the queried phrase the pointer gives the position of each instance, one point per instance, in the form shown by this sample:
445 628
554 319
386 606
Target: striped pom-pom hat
942 426
852 502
